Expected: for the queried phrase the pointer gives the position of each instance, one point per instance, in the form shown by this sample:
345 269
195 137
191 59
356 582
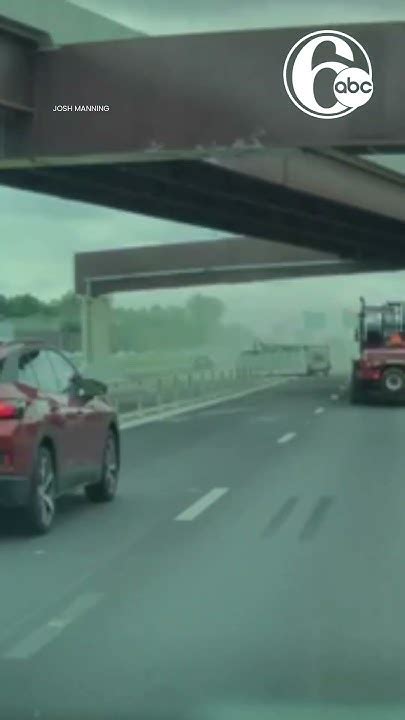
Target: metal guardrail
156 391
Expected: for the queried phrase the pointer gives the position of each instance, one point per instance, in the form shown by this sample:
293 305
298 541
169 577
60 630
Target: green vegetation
170 327
199 322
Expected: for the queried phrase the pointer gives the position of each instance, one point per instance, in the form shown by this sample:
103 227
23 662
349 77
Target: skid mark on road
316 518
202 504
39 638
281 517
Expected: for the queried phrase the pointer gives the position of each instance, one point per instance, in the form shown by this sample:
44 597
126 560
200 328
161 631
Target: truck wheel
393 381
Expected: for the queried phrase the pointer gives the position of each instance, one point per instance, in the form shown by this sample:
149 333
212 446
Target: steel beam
265 200
18 55
236 260
328 175
18 48
192 95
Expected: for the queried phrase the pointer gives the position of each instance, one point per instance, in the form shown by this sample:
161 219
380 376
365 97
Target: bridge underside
300 198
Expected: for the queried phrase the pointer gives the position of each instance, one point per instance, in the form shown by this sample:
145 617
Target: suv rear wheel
105 490
40 510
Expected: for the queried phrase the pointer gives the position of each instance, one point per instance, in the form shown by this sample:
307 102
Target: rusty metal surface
204 93
210 96
16 73
212 262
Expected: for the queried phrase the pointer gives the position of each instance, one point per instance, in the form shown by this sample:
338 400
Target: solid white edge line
286 438
200 505
127 424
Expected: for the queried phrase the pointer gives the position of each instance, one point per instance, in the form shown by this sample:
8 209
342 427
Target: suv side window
42 368
64 371
26 372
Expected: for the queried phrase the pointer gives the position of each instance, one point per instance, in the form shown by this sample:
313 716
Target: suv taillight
12 409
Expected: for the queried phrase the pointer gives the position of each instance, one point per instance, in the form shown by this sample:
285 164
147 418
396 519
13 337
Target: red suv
57 432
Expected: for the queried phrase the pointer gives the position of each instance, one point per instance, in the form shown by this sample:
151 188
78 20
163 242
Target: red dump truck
379 369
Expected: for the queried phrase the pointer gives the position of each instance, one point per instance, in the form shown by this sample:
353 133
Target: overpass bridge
231 260
177 139
182 141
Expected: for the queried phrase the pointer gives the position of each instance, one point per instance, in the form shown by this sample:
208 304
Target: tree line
199 321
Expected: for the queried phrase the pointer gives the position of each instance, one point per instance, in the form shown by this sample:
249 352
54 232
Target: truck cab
379 369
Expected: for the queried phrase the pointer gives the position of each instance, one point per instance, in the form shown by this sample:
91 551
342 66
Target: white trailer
290 359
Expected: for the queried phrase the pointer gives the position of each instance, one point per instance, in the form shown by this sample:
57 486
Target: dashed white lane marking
202 504
35 641
319 410
286 438
334 397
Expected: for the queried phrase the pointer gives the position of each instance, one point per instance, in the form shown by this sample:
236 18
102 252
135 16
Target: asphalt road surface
252 566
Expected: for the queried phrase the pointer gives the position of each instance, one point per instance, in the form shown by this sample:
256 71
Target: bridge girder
189 95
185 142
231 260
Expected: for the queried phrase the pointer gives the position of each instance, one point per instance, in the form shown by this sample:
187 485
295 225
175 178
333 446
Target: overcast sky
183 16
43 233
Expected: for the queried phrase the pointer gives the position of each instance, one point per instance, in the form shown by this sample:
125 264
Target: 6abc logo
352 83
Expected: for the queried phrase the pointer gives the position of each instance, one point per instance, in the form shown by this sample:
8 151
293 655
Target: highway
251 567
